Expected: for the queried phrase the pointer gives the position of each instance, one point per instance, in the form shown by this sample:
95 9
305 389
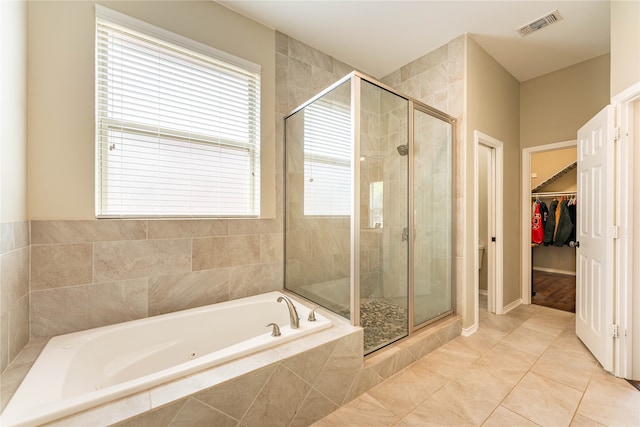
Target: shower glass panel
384 186
318 193
368 208
433 210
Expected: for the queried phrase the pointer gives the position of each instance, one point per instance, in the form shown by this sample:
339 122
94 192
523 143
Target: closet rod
554 194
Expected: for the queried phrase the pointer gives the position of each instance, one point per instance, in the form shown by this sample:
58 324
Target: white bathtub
84 369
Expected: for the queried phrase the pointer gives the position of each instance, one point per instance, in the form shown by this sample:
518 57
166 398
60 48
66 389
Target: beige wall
547 163
625 45
13 111
61 92
552 109
493 109
554 106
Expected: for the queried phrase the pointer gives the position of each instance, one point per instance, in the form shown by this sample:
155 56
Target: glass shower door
433 210
384 188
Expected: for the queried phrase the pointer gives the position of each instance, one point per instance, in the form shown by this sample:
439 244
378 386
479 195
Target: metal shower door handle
405 234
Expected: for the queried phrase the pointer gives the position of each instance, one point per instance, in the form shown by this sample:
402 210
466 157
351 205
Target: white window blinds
177 125
327 159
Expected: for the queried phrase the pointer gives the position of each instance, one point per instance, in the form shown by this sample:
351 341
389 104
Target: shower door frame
424 108
356 77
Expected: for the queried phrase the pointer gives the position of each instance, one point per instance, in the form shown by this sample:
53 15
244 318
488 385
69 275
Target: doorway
553 206
488 224
527 251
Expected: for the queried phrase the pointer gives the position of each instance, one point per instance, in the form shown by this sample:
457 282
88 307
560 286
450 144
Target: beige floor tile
611 401
565 368
523 311
479 343
569 343
363 411
525 368
502 417
543 401
529 341
474 395
407 389
582 421
434 413
498 326
506 363
448 361
548 322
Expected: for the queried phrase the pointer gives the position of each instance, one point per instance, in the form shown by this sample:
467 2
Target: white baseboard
470 330
554 270
508 308
483 291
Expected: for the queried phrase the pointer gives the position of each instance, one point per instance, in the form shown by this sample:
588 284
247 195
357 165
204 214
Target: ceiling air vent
541 22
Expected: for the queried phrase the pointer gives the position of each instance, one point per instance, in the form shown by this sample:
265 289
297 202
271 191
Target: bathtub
81 370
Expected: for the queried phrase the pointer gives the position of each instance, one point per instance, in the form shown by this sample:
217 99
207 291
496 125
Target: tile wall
14 297
86 274
14 290
437 79
318 254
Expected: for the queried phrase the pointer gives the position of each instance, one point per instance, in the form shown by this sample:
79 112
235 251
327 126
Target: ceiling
378 37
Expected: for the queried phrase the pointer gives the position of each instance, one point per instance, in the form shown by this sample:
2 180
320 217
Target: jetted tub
80 370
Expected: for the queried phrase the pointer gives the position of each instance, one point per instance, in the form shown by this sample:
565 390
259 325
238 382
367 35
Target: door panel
594 281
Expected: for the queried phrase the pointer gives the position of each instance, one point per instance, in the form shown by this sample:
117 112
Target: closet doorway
549 261
488 226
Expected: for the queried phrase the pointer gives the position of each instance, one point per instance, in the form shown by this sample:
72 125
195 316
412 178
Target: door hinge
616 133
615 331
613 231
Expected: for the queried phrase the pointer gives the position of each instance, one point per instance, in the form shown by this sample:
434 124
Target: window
376 204
327 159
177 125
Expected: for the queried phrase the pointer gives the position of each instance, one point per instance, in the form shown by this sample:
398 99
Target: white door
594 232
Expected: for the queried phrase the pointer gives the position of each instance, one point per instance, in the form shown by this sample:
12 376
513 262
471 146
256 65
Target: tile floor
525 368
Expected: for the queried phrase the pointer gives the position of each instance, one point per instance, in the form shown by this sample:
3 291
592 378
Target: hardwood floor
554 290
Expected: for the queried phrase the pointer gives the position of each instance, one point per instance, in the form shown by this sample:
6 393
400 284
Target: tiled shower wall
437 79
319 251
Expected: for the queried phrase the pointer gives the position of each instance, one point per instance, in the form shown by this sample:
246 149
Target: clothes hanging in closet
560 227
538 221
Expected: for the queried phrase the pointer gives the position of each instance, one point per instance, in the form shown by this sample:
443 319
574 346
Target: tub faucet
293 314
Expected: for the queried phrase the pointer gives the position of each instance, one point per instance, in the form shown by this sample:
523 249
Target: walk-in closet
553 219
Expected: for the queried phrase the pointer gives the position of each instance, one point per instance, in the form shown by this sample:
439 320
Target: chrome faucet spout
293 314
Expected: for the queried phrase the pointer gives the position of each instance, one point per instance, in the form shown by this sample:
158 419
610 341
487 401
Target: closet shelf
556 176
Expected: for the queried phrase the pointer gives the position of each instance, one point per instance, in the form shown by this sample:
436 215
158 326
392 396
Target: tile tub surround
322 371
14 294
86 274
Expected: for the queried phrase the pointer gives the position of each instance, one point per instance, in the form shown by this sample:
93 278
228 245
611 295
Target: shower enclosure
369 208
